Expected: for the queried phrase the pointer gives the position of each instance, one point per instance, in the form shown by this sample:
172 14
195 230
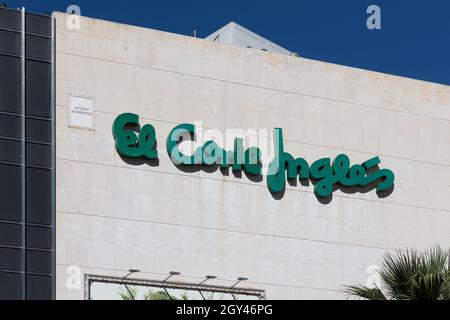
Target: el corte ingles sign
135 141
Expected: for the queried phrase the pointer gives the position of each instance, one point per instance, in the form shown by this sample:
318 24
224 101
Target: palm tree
129 294
159 295
409 275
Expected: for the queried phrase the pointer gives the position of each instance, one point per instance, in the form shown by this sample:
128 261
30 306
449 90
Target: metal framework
53 155
89 279
23 149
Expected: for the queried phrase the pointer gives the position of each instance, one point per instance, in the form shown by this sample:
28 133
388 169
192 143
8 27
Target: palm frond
429 286
433 260
397 271
409 275
365 292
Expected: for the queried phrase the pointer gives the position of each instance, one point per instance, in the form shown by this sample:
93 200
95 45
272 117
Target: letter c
172 142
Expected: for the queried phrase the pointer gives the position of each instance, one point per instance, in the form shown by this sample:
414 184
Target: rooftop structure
235 34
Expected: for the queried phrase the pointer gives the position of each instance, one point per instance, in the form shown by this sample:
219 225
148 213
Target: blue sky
414 40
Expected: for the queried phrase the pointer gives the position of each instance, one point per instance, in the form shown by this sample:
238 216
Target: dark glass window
39 130
10 150
38 24
10 193
10 126
38 88
38 47
10 84
11 286
39 287
39 237
10 19
10 234
38 155
10 42
10 259
39 261
38 249
39 196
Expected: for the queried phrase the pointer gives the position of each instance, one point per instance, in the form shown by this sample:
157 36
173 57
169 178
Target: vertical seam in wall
53 156
23 155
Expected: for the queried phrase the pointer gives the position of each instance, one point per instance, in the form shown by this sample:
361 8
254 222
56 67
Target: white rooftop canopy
235 34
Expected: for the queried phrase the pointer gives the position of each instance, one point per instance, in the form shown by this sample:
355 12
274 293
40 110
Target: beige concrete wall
112 216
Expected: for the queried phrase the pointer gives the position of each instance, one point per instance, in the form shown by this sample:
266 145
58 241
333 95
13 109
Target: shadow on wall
292 182
141 160
353 190
347 190
213 168
259 178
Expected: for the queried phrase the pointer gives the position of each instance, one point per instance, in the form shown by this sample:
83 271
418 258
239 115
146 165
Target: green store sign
135 142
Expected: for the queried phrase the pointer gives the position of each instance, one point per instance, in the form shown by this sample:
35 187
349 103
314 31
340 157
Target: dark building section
27 156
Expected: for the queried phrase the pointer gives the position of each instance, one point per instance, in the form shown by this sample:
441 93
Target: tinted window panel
10 19
10 151
10 259
38 89
10 126
39 196
39 130
11 288
38 261
10 42
10 193
38 47
38 24
39 287
39 237
38 155
10 84
10 234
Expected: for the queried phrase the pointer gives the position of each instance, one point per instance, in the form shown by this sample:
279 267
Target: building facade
115 213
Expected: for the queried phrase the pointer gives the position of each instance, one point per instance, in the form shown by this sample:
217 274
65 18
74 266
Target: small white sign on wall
81 113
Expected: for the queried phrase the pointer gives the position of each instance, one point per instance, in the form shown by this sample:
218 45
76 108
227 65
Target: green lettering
129 143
